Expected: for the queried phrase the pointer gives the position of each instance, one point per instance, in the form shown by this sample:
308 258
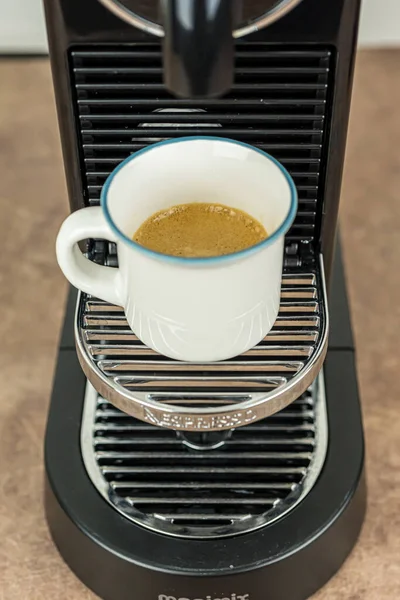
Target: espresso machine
238 480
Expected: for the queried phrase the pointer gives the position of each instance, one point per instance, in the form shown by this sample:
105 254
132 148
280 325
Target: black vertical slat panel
278 103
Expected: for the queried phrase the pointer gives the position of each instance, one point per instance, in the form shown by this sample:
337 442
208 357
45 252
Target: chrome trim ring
276 13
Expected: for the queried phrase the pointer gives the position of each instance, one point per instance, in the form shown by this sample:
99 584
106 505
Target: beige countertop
32 293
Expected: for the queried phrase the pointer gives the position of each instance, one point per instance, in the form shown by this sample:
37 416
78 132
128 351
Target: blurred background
22 27
32 292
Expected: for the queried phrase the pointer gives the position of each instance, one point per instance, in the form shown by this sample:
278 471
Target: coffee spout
198 52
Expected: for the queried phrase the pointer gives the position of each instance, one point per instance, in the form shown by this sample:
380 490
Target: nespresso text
202 422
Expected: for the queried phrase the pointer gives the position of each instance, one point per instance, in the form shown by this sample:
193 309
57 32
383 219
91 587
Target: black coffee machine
240 480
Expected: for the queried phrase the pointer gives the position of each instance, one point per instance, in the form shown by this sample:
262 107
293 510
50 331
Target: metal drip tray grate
213 396
213 484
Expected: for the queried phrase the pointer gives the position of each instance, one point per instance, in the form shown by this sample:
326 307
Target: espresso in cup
200 230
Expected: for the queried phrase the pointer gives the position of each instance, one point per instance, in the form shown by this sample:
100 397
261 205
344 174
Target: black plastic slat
286 161
288 87
228 102
205 117
240 71
152 50
268 147
237 131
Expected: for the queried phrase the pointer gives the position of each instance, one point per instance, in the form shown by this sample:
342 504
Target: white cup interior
198 170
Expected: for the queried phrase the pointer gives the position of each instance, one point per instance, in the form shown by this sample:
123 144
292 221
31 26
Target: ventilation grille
278 103
182 486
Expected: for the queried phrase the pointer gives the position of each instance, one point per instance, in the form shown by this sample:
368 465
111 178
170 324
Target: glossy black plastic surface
198 47
340 333
288 560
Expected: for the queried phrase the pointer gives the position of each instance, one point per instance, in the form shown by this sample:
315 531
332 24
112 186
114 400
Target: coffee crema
200 230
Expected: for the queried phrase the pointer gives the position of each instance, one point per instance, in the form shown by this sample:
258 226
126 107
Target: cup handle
103 282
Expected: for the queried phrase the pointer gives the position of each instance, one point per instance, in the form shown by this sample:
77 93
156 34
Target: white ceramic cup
191 309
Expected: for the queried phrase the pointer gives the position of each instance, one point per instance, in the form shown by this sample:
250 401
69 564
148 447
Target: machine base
289 559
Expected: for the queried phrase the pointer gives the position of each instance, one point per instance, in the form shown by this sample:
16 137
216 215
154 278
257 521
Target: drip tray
179 485
207 396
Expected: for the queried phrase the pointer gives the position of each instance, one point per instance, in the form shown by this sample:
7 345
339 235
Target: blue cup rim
211 260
